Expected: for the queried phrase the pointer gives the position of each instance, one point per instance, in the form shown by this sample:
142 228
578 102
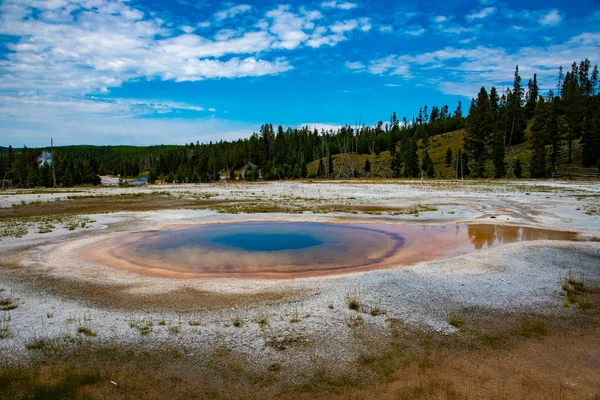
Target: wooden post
53 172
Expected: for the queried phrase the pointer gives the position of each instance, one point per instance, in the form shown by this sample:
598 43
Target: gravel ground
519 277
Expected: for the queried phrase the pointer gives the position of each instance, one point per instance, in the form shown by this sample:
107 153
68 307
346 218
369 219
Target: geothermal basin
284 250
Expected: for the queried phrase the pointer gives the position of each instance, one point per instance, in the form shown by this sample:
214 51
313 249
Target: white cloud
232 11
440 18
187 28
351 24
341 5
392 85
105 120
551 18
483 13
385 29
354 65
465 70
63 56
415 31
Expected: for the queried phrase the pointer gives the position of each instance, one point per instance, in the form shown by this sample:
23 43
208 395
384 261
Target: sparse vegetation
354 321
296 317
536 328
143 326
456 320
19 226
86 330
263 320
5 331
7 304
281 343
576 291
353 301
238 322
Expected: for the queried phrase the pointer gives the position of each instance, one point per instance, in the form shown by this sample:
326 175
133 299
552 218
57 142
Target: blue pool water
268 241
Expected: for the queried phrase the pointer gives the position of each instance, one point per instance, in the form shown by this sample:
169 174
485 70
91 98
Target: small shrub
263 320
296 317
174 330
354 321
353 301
86 330
7 304
237 322
456 320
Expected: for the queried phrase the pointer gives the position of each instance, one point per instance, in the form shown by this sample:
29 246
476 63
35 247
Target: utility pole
53 171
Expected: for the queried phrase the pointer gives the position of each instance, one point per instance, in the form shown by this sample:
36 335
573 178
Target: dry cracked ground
519 320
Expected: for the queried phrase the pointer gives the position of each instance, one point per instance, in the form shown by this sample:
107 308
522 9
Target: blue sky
150 72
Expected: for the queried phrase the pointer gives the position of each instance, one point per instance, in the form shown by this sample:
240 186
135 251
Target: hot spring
283 250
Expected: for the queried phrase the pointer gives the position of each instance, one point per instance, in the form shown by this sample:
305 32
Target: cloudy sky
175 71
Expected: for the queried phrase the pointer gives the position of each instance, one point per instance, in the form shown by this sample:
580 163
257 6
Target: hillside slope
380 165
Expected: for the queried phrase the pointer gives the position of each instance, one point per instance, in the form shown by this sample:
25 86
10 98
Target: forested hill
521 132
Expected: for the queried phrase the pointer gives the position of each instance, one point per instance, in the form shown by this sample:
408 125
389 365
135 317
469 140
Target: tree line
495 121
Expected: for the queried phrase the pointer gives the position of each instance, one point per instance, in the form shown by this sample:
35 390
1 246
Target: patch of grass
86 330
39 343
7 304
194 322
66 388
281 343
296 317
330 306
456 320
174 330
19 226
576 291
143 326
528 328
376 310
263 320
238 322
5 331
355 321
353 301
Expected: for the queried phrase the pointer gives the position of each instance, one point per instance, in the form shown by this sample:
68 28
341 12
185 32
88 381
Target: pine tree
531 97
516 117
427 165
497 147
449 157
411 158
539 139
480 126
367 166
518 168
